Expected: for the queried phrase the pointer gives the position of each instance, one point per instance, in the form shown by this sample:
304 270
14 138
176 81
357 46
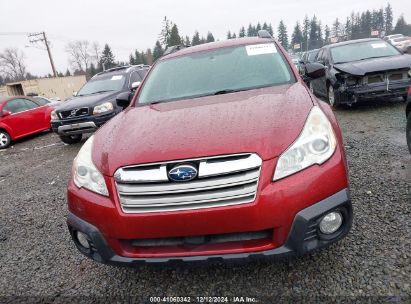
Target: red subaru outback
223 153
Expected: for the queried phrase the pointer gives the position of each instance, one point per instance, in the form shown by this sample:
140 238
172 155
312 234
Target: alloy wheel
4 139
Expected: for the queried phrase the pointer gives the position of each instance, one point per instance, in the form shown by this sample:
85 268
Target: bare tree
79 52
96 50
12 64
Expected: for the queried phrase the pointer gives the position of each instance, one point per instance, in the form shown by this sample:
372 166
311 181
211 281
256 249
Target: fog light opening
331 222
82 239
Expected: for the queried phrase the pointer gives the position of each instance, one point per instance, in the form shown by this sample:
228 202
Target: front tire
333 98
5 139
408 132
71 139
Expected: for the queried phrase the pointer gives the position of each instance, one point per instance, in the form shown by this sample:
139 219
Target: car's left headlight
85 173
103 108
54 116
315 145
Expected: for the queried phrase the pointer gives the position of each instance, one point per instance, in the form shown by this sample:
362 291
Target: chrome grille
222 181
73 113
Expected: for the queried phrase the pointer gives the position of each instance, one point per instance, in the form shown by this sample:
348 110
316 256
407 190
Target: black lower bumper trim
301 239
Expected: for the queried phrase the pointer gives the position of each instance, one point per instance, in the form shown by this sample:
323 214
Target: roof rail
264 34
123 67
175 48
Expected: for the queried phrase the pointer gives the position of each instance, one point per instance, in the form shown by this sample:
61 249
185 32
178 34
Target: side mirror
135 85
5 114
314 70
75 93
123 99
408 50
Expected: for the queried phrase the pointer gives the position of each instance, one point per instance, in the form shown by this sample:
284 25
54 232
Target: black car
362 69
408 113
307 57
95 103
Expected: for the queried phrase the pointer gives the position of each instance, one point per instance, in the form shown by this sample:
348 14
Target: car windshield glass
312 55
103 83
214 72
41 101
362 50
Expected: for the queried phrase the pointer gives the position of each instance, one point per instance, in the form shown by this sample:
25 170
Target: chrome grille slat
223 181
198 185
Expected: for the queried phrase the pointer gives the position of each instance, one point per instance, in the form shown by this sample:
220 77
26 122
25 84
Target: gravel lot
37 257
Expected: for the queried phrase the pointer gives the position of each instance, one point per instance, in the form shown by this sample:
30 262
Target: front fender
8 129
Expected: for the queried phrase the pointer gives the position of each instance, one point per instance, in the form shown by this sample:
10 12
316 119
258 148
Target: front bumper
304 237
80 125
353 94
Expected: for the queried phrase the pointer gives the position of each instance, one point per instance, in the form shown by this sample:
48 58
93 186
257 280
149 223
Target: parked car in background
401 43
360 70
21 116
222 154
408 115
394 36
296 60
44 100
307 57
95 103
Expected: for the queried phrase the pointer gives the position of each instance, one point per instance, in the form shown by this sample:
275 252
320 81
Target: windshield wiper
228 91
98 92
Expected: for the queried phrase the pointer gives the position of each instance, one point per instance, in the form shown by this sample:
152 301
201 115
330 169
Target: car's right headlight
85 173
54 116
315 145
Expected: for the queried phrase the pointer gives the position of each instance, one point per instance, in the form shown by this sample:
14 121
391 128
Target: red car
21 116
223 153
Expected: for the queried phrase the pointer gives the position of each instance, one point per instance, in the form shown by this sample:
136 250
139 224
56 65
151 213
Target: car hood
360 68
265 121
86 101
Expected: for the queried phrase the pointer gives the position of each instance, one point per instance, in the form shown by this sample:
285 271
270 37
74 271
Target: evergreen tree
348 29
107 57
174 38
336 29
297 36
258 28
92 70
270 30
306 30
202 40
242 32
401 27
196 39
388 16
327 34
158 51
67 73
131 60
229 35
149 57
210 37
313 39
282 34
187 41
251 31
164 37
234 36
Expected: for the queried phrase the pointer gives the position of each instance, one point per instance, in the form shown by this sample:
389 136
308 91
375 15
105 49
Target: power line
41 37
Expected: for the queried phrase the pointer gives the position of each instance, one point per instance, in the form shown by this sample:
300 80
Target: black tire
71 139
408 132
5 139
332 97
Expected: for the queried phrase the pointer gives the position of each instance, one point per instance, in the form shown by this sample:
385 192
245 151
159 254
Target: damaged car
362 69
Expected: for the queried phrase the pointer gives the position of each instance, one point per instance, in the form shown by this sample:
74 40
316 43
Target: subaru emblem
182 173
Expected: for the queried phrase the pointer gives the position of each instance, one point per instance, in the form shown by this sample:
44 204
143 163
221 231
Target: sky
130 25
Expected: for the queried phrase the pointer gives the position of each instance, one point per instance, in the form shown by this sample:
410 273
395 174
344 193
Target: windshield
362 50
216 72
41 100
311 56
103 83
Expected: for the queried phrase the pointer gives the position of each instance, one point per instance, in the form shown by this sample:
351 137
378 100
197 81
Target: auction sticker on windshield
116 77
260 49
378 45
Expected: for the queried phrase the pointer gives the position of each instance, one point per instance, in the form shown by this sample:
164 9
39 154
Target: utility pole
43 38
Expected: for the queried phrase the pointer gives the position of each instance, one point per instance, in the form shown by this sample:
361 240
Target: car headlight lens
54 116
315 145
103 108
85 173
